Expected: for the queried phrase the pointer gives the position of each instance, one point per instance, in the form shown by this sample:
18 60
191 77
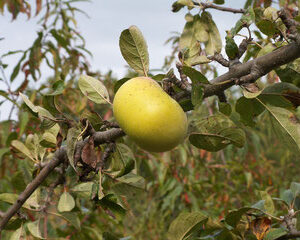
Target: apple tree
219 160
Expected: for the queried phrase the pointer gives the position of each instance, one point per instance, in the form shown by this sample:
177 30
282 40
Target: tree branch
59 157
224 9
250 71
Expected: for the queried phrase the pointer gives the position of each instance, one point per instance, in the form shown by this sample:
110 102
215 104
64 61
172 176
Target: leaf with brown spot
88 154
260 227
252 87
294 119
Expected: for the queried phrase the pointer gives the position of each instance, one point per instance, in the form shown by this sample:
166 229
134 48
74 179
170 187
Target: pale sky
102 30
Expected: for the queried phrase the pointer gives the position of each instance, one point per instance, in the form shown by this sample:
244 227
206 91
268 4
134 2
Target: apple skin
149 116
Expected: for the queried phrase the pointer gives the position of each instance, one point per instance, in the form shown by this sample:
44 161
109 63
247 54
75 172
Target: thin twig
224 9
220 59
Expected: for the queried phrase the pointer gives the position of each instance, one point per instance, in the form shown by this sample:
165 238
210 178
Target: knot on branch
255 73
220 59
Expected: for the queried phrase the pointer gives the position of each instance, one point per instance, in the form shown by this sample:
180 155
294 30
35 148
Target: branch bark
220 8
59 157
249 72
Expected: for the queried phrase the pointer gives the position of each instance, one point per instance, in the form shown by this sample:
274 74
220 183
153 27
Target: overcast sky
107 19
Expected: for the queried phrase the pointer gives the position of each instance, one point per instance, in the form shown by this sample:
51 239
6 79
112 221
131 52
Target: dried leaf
88 154
260 226
38 6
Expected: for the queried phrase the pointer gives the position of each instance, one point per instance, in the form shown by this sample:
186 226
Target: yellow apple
148 115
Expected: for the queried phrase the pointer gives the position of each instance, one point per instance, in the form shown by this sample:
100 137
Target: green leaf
17 68
176 7
225 108
72 136
215 133
197 94
66 202
266 49
6 95
231 48
129 185
134 50
288 196
193 33
60 38
197 88
109 202
119 83
93 89
18 182
287 125
275 233
83 189
42 113
234 217
23 149
123 160
290 72
220 2
267 27
18 234
283 95
182 226
12 198
3 151
96 234
248 110
295 188
49 103
186 104
71 217
268 204
247 18
34 229
188 3
58 88
24 118
194 75
214 43
48 140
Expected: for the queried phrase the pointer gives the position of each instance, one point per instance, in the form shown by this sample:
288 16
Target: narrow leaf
72 136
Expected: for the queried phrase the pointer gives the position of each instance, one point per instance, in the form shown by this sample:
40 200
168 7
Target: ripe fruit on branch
148 115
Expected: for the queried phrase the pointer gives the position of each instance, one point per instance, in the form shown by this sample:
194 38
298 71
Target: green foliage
241 154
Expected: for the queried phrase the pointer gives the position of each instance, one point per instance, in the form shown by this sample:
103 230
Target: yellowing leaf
66 202
34 229
94 89
22 148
